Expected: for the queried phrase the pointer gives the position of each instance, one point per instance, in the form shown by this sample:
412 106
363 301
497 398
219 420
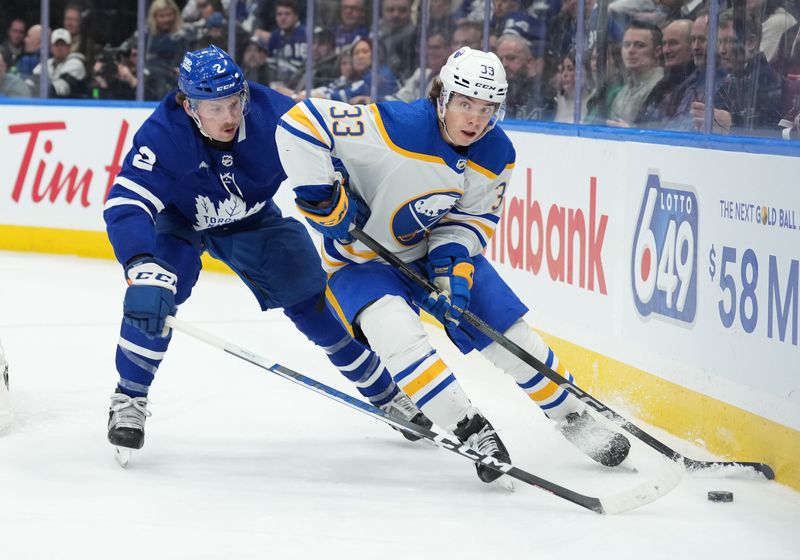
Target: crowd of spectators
643 61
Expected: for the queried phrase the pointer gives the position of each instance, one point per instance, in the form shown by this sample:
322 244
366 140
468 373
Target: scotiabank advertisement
682 262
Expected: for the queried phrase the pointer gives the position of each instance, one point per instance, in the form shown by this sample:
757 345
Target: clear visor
493 112
471 106
233 107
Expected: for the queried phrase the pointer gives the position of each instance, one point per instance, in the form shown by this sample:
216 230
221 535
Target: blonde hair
159 5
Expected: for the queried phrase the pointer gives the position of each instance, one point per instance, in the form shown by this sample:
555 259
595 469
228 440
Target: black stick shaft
548 372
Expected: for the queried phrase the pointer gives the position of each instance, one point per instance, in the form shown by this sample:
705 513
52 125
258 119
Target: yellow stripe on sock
545 393
424 378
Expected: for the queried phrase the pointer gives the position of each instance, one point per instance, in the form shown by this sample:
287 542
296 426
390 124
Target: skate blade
123 456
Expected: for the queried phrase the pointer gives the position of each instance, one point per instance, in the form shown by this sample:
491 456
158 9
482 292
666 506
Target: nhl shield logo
227 160
461 164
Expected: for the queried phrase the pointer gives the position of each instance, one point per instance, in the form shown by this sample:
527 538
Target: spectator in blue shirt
287 46
352 26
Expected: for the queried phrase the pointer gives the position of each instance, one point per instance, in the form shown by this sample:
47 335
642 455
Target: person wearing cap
66 70
200 177
427 181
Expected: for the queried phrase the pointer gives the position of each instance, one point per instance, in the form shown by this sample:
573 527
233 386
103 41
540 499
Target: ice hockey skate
126 418
605 446
404 408
478 433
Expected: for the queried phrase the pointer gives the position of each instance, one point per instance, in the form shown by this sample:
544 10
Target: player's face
466 118
220 117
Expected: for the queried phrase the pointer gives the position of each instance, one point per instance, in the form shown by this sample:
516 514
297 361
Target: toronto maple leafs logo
232 209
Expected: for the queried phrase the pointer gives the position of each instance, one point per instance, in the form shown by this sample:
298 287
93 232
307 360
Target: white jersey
422 193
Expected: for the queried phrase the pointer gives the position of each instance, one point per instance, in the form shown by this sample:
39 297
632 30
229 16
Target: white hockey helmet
476 74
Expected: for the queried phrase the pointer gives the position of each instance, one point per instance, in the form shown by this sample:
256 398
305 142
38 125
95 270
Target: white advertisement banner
682 262
60 161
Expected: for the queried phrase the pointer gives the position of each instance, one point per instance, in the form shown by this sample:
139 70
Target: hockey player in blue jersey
199 177
431 177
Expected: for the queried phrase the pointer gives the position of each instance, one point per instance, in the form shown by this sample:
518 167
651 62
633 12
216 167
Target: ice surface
241 464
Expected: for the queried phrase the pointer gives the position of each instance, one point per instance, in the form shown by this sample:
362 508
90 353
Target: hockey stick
648 491
551 374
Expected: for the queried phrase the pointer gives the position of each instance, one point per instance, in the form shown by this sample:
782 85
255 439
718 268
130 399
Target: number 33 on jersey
421 191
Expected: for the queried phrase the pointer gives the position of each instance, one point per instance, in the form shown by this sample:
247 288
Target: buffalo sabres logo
227 160
413 220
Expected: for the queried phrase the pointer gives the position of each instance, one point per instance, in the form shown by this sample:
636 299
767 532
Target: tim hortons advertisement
682 262
59 162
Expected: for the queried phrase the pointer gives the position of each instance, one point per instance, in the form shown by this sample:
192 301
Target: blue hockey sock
355 361
362 366
138 358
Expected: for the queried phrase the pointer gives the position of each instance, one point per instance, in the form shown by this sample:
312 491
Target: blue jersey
288 50
172 168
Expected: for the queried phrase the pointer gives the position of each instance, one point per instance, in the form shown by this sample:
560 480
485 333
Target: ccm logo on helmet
485 86
226 86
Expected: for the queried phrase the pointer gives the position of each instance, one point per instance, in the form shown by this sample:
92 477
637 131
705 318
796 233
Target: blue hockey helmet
210 73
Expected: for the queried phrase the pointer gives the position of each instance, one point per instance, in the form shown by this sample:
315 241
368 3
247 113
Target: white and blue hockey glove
150 296
452 276
329 209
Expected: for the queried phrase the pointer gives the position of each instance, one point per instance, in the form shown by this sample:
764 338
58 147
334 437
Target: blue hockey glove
150 296
452 276
330 210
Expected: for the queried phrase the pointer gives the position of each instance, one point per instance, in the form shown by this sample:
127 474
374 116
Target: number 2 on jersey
347 122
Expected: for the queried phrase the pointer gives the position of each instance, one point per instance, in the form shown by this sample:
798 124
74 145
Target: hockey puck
720 496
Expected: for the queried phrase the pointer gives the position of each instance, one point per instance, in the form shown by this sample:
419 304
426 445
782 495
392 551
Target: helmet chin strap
443 127
196 119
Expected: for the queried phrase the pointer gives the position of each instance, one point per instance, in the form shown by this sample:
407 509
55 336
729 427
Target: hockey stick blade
641 495
549 372
762 468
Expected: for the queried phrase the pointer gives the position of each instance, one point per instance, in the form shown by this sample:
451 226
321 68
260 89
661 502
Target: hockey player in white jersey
427 181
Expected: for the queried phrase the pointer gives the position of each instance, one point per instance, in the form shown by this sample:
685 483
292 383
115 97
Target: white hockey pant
554 401
396 334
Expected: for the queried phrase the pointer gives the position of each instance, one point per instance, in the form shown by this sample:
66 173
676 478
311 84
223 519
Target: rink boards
667 277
